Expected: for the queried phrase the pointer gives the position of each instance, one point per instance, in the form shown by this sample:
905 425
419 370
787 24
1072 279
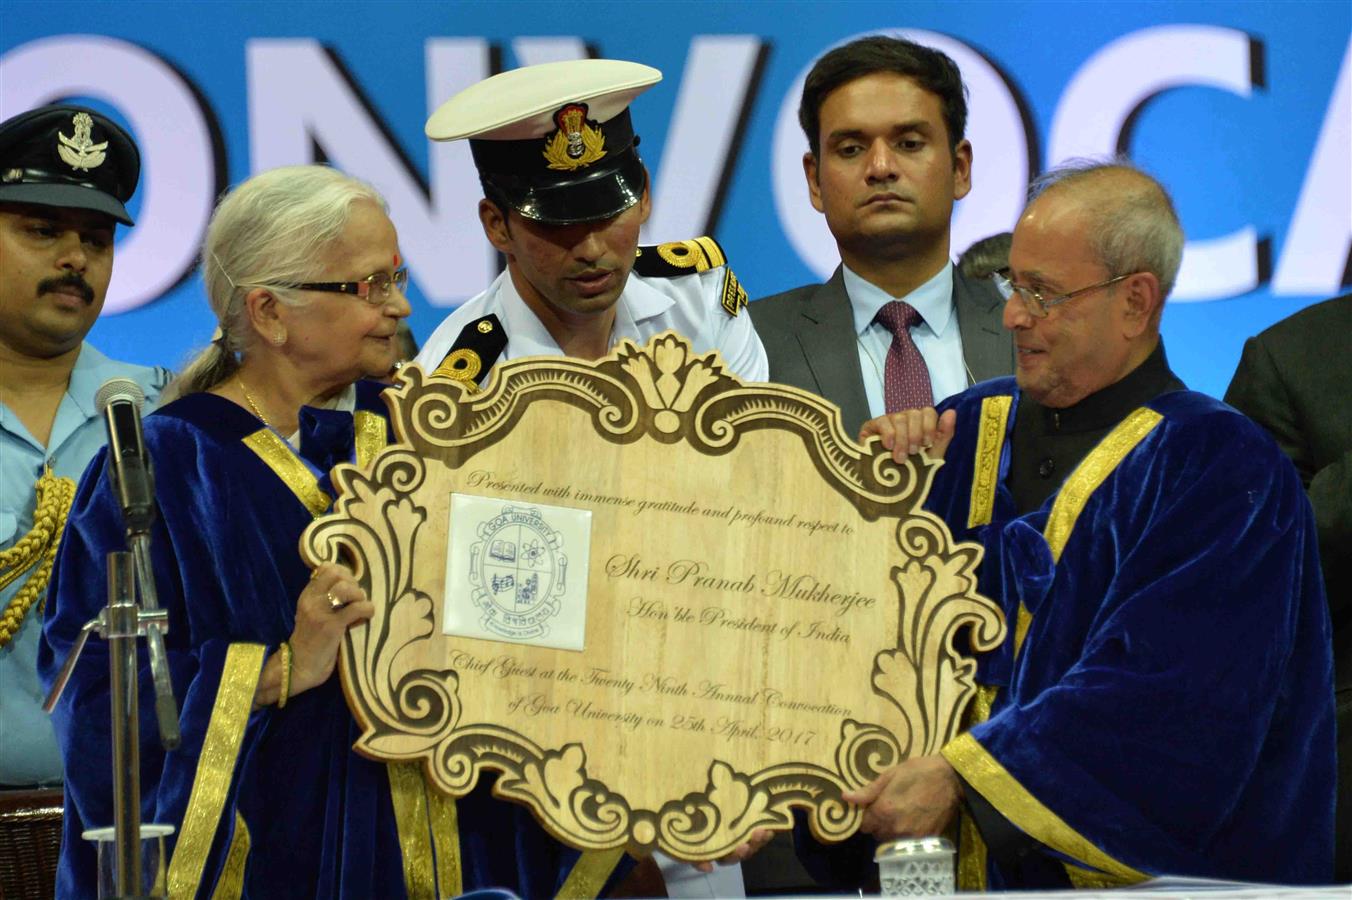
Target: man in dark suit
1294 379
884 120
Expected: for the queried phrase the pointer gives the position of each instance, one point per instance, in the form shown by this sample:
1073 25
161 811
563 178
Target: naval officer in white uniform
565 194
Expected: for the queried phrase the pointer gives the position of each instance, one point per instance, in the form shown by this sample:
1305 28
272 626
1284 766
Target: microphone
119 401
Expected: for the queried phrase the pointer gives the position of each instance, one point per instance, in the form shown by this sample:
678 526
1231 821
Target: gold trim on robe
215 766
1074 495
230 886
1089 880
980 769
1092 471
589 874
409 798
368 435
971 855
1022 620
971 846
279 457
234 702
445 840
990 779
990 442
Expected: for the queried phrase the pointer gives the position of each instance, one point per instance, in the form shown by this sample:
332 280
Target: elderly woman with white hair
304 275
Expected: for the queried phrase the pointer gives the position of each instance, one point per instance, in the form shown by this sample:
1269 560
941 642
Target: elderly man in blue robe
1163 703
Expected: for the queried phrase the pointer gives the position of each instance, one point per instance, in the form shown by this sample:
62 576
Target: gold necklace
248 398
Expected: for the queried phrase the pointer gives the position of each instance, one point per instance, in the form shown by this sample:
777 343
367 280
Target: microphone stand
120 623
154 629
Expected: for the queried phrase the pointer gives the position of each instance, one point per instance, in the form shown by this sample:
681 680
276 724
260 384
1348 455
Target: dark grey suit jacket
809 337
1295 379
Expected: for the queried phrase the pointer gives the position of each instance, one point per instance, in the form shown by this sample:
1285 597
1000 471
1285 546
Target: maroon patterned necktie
906 381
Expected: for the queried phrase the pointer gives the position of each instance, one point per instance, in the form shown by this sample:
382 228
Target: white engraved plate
517 572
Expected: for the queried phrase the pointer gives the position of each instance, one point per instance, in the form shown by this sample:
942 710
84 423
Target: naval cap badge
575 144
80 151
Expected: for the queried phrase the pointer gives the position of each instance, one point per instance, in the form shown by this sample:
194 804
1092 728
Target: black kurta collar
1107 407
1049 443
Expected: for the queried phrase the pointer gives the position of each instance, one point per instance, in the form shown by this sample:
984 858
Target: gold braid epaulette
54 497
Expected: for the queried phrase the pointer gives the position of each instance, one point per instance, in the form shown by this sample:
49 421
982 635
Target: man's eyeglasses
1036 304
374 289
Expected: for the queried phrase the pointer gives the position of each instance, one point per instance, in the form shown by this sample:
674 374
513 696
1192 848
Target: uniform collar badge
575 143
80 151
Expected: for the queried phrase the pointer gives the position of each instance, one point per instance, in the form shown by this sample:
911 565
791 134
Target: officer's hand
759 838
905 432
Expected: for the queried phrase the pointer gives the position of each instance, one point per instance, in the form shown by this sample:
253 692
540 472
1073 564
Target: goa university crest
518 573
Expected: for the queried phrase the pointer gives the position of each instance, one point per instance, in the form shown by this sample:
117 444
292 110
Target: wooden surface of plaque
768 618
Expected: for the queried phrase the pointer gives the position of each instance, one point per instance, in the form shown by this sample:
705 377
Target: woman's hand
330 604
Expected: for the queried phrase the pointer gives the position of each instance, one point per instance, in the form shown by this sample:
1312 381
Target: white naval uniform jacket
690 305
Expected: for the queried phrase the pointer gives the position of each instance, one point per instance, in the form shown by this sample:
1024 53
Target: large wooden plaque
770 618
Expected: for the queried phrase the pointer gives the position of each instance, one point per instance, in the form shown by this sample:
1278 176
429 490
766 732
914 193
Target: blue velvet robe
318 817
1163 702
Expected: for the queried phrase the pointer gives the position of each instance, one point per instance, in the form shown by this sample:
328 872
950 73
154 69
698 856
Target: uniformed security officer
66 173
565 194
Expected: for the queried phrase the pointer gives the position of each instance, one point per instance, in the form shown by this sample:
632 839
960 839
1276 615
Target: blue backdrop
1242 109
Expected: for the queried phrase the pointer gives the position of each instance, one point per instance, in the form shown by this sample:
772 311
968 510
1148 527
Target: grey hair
988 255
267 232
1133 224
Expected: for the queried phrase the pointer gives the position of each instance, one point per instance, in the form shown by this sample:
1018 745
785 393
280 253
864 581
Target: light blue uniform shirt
937 338
28 750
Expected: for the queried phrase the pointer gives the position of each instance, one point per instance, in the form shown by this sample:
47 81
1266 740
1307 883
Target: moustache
70 281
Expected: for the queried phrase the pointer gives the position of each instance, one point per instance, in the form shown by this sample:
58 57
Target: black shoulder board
475 351
679 258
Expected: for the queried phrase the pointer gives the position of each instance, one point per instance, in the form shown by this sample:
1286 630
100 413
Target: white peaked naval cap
554 141
521 103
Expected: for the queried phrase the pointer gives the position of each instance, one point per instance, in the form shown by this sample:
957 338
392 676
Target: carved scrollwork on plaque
924 675
667 393
376 537
419 693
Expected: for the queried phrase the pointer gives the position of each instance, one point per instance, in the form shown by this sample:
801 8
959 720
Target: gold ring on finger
335 603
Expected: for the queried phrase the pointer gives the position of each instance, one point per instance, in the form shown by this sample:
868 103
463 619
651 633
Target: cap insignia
80 151
576 143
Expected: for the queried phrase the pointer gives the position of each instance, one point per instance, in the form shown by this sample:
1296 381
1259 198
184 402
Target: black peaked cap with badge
68 156
553 141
